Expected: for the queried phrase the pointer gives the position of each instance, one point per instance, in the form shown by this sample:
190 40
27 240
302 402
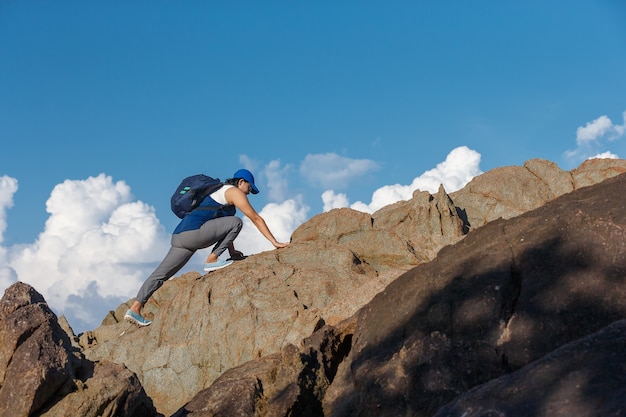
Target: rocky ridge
322 327
41 374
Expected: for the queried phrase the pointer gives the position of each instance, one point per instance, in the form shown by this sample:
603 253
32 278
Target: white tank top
220 195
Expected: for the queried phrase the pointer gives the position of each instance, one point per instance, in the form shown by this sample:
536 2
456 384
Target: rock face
40 373
507 192
570 381
486 311
509 293
395 313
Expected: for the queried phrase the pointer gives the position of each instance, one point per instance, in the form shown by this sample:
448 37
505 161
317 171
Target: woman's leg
175 259
220 232
232 229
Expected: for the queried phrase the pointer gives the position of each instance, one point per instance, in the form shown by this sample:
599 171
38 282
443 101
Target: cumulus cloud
97 245
277 180
247 163
333 200
592 131
461 165
8 187
8 276
329 169
595 135
604 155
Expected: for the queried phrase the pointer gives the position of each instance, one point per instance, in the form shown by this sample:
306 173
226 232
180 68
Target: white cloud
332 200
461 165
8 276
604 155
8 187
331 170
277 182
247 163
96 244
593 136
620 129
593 130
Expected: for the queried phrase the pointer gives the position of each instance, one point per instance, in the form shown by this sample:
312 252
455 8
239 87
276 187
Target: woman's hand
239 199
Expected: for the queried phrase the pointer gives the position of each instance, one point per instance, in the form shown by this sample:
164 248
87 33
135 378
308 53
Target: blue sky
105 106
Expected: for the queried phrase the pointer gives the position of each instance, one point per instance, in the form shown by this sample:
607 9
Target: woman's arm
240 200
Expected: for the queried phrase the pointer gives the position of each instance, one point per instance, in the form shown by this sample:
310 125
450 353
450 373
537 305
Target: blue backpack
191 191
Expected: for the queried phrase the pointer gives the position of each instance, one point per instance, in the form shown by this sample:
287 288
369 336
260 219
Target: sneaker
135 318
216 265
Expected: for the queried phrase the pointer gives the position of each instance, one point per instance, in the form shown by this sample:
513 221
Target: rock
205 325
42 374
507 294
394 313
582 379
507 192
103 389
35 358
291 382
337 262
593 171
424 224
238 392
488 308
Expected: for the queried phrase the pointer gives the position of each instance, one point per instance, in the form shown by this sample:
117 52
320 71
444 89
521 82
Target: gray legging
221 232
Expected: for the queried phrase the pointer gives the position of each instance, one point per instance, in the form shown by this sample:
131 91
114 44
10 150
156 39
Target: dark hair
233 181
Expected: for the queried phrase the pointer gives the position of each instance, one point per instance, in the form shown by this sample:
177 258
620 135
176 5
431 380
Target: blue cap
247 175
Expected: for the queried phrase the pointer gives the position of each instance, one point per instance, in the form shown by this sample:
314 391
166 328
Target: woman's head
245 175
